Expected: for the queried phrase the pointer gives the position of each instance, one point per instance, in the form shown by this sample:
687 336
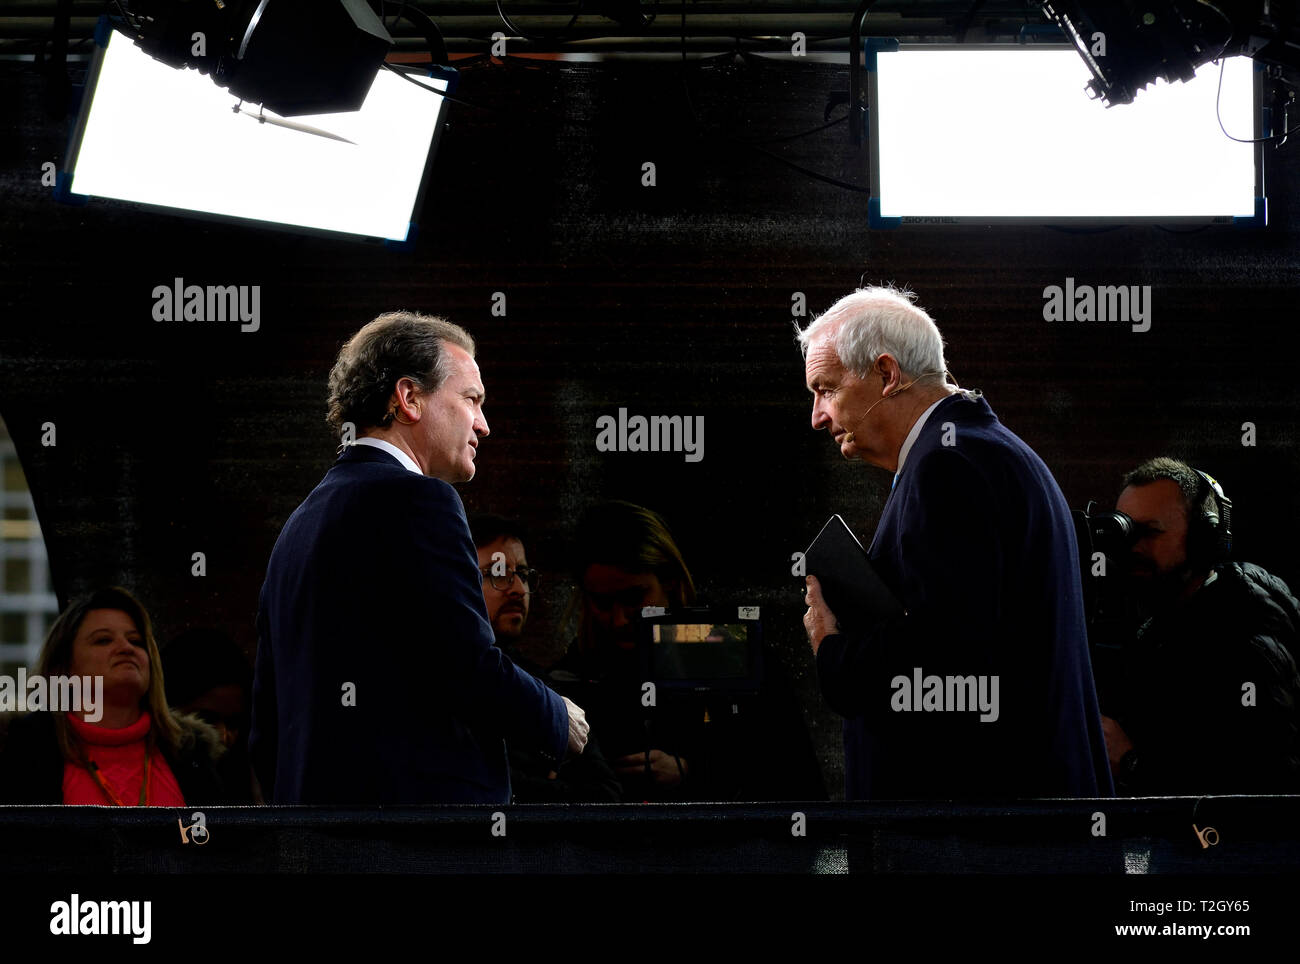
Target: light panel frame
168 140
931 159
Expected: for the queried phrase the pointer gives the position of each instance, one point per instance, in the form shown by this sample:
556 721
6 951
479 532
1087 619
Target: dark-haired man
508 581
1210 691
377 681
509 585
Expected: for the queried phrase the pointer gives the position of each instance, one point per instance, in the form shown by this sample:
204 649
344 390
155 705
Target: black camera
1111 533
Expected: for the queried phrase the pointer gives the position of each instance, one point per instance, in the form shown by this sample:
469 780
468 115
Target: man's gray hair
872 321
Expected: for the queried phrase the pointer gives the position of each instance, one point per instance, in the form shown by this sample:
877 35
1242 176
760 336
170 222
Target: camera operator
509 588
1209 693
686 746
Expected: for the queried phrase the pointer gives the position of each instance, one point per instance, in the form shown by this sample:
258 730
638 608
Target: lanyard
102 782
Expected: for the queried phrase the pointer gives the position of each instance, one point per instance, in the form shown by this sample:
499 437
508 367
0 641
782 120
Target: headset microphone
850 436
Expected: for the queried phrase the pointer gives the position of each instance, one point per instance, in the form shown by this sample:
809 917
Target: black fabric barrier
1169 835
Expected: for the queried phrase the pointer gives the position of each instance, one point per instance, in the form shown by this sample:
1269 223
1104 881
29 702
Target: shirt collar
391 449
912 435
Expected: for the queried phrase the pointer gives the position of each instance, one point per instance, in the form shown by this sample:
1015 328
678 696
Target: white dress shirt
912 435
391 449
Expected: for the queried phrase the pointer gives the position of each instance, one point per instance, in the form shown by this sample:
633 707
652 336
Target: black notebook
850 585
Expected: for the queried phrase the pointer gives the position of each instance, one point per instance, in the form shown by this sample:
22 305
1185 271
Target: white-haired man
984 687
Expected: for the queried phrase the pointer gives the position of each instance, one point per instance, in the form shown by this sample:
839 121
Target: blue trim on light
103 30
874 218
873 45
1040 31
407 243
63 191
450 74
1257 220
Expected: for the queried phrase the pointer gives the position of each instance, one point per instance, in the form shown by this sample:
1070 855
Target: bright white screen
163 136
987 133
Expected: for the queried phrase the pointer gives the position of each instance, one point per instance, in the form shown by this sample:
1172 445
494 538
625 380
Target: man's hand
578 728
1117 742
664 770
819 621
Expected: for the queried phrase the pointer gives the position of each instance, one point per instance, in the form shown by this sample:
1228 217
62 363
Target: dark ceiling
29 26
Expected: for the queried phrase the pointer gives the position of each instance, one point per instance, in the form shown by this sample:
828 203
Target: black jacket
977 543
31 765
737 747
377 679
585 778
1185 705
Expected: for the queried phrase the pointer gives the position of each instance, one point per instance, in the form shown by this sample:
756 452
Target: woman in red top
137 752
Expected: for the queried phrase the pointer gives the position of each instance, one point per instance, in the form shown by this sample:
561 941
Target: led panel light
986 135
155 135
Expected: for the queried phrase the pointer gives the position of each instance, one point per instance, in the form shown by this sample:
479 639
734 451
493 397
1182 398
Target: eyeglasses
529 578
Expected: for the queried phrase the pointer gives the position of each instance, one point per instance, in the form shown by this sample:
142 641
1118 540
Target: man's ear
888 368
405 401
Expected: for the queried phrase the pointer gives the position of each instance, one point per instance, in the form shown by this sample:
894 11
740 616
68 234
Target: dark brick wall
675 299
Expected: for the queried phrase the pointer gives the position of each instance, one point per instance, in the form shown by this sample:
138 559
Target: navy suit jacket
373 589
977 542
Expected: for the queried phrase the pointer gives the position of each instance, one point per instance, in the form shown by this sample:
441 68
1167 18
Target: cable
774 38
811 173
686 90
781 138
472 63
400 13
519 33
715 60
794 137
134 25
454 100
422 22
754 145
855 68
1242 140
1227 20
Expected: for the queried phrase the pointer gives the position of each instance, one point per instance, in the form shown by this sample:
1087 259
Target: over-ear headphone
1209 529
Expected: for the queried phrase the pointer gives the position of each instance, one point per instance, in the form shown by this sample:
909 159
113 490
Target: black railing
1184 835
